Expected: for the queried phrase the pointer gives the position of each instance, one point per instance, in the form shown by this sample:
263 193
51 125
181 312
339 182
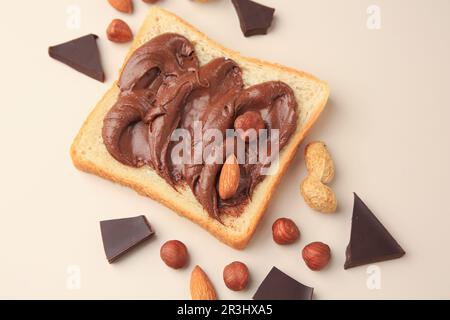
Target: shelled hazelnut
285 231
248 122
235 276
316 255
174 254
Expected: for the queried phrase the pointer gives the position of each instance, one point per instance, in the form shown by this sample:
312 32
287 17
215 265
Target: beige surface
386 126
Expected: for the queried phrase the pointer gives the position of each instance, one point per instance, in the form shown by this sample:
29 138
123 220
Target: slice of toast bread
90 154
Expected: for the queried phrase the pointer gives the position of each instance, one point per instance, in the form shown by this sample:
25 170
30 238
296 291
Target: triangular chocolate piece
81 54
279 286
121 235
370 241
253 17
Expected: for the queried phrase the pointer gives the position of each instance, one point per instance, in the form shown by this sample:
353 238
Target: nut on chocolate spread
163 88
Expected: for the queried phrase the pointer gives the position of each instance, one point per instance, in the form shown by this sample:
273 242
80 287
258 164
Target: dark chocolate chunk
121 235
370 241
254 18
81 54
279 286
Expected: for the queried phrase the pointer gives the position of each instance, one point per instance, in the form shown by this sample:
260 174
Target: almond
229 178
201 286
125 6
119 31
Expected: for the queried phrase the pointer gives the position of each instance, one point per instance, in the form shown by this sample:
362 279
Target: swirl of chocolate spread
163 88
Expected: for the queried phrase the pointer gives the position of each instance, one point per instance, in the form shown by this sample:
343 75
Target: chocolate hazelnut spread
163 88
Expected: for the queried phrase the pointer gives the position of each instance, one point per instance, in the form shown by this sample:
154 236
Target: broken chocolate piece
121 235
370 241
254 18
81 54
279 286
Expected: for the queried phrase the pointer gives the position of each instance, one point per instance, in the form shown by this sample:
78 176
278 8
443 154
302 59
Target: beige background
387 126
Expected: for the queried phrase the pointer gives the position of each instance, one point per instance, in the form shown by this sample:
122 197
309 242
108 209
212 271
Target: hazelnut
249 124
285 231
316 255
174 254
119 31
125 6
235 276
